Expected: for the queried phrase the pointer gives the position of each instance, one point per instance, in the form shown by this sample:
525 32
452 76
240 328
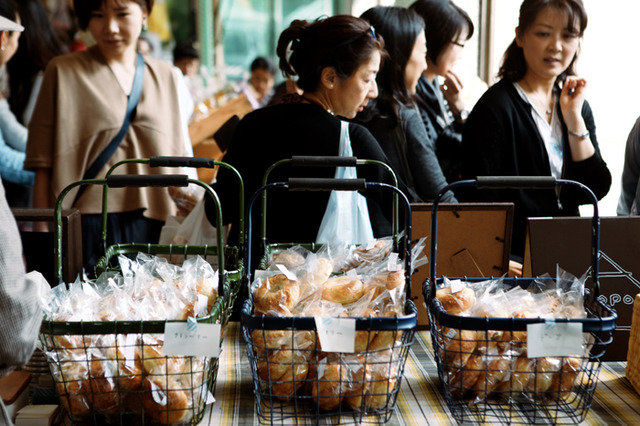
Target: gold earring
145 26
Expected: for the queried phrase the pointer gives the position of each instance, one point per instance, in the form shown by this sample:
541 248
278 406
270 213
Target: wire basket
114 372
295 382
483 362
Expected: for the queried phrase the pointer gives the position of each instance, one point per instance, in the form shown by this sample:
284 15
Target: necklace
535 95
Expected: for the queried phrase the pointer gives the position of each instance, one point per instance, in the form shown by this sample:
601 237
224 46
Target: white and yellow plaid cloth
420 401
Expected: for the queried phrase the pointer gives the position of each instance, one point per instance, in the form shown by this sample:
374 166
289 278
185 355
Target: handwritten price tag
183 338
554 339
336 334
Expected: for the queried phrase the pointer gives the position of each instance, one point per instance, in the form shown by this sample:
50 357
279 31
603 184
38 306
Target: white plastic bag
195 229
346 218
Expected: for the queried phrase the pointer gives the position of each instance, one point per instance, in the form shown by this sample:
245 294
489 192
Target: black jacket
501 138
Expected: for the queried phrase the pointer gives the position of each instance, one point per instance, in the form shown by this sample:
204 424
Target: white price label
553 338
336 334
189 339
287 273
456 286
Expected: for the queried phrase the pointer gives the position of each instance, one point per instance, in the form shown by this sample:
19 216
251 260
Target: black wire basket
483 363
295 382
115 372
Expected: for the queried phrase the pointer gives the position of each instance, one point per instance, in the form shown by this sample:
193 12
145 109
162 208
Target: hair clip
373 32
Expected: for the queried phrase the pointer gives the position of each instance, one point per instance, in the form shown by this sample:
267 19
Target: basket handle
193 162
120 181
518 182
324 161
139 181
327 161
318 184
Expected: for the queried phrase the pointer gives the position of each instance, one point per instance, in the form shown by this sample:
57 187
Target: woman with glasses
439 91
393 117
536 121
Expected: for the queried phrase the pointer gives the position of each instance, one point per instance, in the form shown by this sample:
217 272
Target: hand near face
451 89
572 98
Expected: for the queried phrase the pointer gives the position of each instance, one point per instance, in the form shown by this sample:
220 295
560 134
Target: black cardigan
273 133
501 138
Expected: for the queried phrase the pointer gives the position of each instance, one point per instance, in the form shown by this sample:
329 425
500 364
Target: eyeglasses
457 43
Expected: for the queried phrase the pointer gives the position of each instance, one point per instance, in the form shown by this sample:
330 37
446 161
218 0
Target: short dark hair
263 63
84 8
444 22
185 50
514 65
400 28
343 42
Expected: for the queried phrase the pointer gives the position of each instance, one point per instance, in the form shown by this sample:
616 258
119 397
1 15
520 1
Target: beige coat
80 109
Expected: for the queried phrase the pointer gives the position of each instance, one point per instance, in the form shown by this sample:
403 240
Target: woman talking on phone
535 121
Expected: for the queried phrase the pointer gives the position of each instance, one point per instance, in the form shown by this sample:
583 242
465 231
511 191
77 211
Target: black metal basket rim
263 322
445 319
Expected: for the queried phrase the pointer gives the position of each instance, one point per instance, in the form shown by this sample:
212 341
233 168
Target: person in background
38 45
441 104
283 90
335 60
536 121
79 112
144 46
393 117
20 309
259 91
187 58
13 135
629 201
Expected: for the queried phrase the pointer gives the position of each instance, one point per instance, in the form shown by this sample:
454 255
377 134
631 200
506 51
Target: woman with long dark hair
535 121
38 45
439 91
393 117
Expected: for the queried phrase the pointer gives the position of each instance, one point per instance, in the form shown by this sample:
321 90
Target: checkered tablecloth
420 401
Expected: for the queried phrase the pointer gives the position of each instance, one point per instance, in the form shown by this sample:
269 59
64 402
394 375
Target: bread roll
456 303
326 389
343 289
167 405
463 379
277 294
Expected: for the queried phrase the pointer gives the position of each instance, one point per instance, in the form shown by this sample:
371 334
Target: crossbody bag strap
132 103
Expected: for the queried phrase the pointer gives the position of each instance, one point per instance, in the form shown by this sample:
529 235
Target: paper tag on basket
392 263
287 273
456 286
553 338
259 274
336 334
182 338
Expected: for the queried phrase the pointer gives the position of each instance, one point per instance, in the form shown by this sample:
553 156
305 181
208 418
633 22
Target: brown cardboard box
566 242
474 240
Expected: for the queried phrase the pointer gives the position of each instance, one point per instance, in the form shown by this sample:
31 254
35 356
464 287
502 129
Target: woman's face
548 44
262 81
450 55
9 44
416 64
116 27
351 95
